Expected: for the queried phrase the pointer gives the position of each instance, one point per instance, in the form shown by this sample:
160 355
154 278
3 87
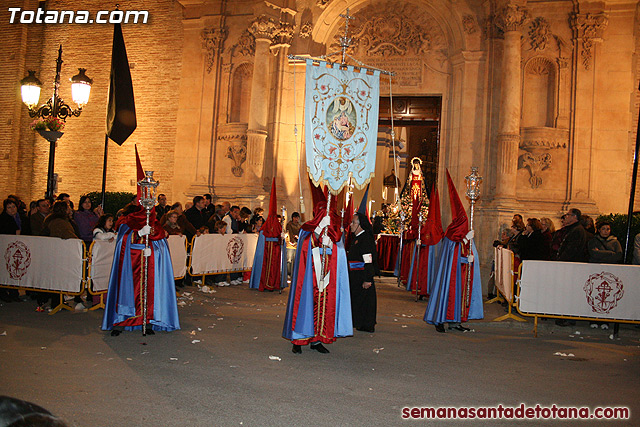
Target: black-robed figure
363 259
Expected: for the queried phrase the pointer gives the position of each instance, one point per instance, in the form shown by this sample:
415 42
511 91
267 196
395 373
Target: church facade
540 96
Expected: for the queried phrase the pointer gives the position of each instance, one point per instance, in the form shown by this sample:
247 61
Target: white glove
146 252
326 241
469 236
144 231
470 259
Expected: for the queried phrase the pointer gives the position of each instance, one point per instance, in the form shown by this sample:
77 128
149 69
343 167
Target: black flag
121 112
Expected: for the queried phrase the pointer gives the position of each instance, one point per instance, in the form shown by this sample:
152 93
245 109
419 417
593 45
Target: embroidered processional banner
341 122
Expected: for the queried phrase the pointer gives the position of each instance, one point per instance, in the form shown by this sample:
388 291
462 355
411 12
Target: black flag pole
634 178
121 110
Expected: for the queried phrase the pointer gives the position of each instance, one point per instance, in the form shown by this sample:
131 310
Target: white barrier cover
607 291
41 262
178 250
216 252
503 272
101 259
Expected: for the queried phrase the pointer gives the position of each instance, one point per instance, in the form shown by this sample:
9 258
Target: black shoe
440 328
459 328
150 330
319 348
422 297
115 333
297 349
370 330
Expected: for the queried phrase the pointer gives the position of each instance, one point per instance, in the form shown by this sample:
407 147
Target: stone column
262 28
510 19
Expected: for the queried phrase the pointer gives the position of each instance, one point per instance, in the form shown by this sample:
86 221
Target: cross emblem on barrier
604 289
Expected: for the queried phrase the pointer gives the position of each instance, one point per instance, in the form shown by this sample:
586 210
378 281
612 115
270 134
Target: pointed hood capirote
459 227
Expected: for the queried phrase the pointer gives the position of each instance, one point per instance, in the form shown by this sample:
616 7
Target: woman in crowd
548 228
58 223
10 223
104 229
532 243
86 219
517 226
187 229
244 224
171 226
603 247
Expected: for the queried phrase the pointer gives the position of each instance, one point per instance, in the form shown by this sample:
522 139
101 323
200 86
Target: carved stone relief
212 43
246 45
397 36
235 136
263 27
589 28
305 30
538 144
511 17
469 24
539 34
322 3
282 35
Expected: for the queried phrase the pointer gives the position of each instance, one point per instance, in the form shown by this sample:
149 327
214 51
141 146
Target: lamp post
54 108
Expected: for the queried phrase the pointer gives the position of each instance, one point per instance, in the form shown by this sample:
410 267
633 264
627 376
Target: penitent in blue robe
449 273
302 293
258 262
121 296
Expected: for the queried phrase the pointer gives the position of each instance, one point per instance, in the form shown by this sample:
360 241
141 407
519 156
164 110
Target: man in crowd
161 208
37 219
293 229
196 214
231 218
208 205
573 247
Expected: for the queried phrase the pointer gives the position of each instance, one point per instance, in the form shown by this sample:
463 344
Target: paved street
218 371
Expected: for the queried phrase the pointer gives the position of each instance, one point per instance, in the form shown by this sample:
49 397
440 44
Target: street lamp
55 107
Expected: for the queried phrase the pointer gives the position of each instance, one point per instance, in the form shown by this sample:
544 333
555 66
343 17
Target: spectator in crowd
86 218
557 238
532 244
37 219
162 207
636 249
547 232
244 222
589 226
604 248
220 227
231 218
58 223
197 215
104 228
172 227
10 220
505 235
573 245
188 229
226 207
517 226
10 223
291 239
208 205
256 226
63 197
